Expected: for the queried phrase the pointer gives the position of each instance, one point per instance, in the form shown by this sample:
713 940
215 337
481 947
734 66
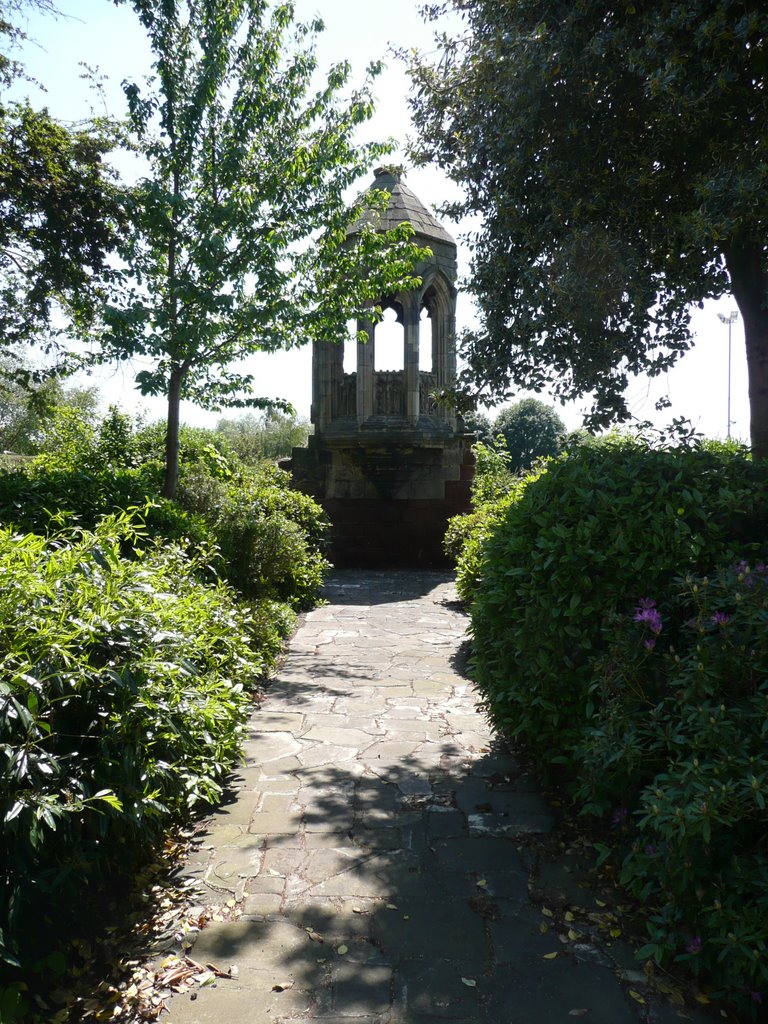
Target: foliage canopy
531 430
617 155
238 233
59 212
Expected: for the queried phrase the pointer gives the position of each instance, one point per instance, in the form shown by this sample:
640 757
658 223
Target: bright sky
107 37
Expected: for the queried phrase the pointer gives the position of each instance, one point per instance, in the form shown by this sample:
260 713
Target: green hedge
124 685
594 533
620 632
675 756
270 538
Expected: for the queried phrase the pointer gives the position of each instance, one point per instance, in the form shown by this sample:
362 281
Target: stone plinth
388 501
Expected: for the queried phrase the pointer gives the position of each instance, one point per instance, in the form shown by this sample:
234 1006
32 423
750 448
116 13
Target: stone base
389 504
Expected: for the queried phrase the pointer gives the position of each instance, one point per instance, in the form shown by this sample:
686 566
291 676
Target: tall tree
59 213
618 154
239 230
531 430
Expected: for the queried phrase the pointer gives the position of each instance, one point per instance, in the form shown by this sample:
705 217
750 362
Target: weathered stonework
388 462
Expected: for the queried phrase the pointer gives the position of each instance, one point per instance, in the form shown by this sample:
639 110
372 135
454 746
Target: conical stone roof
404 207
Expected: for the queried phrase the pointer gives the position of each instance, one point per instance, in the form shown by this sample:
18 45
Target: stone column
322 386
365 381
411 303
449 348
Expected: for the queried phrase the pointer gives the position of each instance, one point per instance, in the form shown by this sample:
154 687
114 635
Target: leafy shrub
586 539
494 488
271 538
38 498
26 410
124 687
676 752
199 449
269 435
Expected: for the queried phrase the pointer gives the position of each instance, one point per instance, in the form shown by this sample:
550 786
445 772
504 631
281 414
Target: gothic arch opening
389 352
350 347
426 356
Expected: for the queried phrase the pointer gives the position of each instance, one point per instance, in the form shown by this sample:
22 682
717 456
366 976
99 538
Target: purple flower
619 815
694 946
648 613
742 566
649 643
721 619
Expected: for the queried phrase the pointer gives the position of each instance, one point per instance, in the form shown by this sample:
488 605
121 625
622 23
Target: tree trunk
749 283
171 480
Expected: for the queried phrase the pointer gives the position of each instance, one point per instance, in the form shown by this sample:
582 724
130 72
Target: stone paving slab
376 857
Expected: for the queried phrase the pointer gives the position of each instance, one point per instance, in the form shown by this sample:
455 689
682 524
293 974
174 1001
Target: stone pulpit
389 463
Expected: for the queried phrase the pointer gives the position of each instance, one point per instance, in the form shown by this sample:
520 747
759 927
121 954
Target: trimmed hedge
598 530
620 623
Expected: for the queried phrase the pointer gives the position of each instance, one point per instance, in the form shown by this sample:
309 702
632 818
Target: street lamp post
731 319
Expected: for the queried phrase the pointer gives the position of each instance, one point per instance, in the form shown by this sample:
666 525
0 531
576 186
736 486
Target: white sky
108 37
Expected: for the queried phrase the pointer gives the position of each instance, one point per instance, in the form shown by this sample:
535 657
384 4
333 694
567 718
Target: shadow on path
378 858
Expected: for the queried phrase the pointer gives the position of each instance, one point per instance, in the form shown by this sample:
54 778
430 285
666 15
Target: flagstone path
375 858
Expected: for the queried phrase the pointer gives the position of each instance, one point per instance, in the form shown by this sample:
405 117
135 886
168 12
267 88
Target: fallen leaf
572 935
636 996
600 903
357 910
231 903
550 956
615 933
391 906
216 970
470 982
406 917
281 986
547 912
568 917
481 883
342 950
543 927
701 998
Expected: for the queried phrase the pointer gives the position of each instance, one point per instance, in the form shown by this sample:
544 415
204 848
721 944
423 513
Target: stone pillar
450 359
411 310
322 386
365 377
